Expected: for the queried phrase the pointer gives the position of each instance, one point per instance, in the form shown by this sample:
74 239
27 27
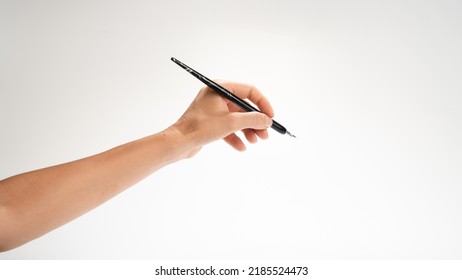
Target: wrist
180 139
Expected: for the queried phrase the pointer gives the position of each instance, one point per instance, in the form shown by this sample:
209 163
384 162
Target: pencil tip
290 134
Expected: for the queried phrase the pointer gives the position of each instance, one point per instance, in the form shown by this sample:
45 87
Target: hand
39 201
211 117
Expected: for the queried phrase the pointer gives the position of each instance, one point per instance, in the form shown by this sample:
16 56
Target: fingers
252 134
234 141
251 93
253 120
252 124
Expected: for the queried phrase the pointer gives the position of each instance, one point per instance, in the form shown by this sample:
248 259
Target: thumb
254 120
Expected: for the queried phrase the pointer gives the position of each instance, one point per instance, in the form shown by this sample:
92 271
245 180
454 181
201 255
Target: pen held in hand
230 96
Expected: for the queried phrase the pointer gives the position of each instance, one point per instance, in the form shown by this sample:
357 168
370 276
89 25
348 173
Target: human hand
52 196
211 117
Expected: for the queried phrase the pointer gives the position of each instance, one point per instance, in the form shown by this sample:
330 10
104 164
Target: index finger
245 91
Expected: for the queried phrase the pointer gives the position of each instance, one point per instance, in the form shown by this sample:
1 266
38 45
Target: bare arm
36 202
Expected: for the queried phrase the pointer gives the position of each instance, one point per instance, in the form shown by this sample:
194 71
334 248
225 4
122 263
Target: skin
36 202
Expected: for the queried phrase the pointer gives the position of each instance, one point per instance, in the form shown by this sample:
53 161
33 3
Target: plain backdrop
371 89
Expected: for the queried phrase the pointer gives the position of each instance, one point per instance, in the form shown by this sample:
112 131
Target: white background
372 89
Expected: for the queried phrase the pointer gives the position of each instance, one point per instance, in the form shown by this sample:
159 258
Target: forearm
36 202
